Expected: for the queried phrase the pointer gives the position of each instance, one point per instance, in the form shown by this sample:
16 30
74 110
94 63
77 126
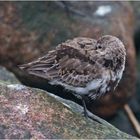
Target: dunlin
85 66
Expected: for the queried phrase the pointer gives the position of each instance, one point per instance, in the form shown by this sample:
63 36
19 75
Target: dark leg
85 108
90 115
86 112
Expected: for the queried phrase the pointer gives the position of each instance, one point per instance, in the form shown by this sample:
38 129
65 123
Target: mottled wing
66 64
44 67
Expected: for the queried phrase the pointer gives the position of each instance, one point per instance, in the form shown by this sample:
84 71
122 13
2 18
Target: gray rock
7 76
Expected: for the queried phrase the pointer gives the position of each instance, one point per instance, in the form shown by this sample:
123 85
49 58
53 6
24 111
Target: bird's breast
107 83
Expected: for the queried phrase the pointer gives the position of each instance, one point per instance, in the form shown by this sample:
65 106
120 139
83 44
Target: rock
29 29
33 113
28 113
7 76
122 118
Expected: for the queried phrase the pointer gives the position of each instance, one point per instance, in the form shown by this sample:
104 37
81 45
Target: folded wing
66 64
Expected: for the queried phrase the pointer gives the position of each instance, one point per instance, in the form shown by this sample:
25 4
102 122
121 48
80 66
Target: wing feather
66 64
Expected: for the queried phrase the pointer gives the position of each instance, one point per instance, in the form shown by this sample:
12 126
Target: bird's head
110 44
112 51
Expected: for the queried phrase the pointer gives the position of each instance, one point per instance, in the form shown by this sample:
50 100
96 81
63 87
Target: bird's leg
90 115
85 108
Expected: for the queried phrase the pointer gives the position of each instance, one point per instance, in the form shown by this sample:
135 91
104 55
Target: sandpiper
85 66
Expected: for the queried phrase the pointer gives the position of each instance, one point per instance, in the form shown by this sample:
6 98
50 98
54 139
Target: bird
85 66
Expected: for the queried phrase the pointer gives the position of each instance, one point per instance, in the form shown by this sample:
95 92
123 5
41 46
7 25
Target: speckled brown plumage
83 65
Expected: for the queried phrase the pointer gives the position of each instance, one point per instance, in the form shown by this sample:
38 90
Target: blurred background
28 30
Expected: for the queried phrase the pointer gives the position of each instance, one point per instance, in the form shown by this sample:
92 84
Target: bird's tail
24 66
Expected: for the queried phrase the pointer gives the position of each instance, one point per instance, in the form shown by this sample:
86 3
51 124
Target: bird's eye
82 45
98 46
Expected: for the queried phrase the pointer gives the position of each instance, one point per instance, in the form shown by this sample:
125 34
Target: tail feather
24 66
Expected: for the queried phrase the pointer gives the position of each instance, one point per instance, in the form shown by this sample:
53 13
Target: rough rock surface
7 76
29 29
27 113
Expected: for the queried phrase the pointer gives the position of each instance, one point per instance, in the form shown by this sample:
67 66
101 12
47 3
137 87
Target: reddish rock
32 113
29 29
27 113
